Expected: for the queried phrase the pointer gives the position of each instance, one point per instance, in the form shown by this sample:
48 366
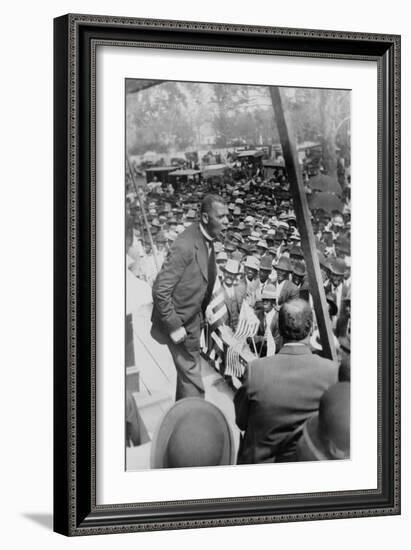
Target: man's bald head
295 320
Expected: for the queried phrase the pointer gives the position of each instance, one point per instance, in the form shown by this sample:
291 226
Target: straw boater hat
191 215
284 264
254 237
221 257
193 432
269 293
252 262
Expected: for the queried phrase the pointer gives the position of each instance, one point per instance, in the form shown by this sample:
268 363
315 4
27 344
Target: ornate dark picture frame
76 38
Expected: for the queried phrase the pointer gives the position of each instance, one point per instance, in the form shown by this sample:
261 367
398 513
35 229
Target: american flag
216 315
248 324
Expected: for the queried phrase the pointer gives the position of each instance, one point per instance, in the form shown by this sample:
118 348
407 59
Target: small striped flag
216 315
248 324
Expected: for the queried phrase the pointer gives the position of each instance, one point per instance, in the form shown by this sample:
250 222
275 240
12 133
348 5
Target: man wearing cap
268 338
263 276
262 247
182 291
280 392
298 274
251 269
286 289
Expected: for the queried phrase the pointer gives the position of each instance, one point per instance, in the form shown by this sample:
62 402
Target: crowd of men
244 233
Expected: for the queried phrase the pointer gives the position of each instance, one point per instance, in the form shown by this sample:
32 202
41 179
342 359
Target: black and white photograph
238 274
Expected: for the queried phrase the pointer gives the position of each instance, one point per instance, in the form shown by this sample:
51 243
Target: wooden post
304 222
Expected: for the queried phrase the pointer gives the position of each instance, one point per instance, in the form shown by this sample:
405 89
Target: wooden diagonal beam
303 221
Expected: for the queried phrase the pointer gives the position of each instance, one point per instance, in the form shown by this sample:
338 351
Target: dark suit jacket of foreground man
279 393
178 293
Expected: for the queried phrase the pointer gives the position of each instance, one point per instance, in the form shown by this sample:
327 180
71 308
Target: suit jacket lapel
201 254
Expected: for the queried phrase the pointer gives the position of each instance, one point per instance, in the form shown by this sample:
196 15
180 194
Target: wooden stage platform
153 388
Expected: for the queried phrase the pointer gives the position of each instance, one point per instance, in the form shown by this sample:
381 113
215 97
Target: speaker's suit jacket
178 293
180 287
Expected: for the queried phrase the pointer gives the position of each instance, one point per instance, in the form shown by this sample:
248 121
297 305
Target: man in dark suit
280 392
182 291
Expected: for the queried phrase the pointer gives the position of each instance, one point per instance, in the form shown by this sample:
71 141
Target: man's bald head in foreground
295 320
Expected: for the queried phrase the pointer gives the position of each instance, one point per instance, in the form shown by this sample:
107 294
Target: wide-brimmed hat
284 264
252 262
269 292
296 251
266 263
192 433
322 259
161 237
237 237
262 243
332 423
299 269
337 266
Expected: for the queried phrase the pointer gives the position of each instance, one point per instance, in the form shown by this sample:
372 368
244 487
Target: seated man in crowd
280 392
